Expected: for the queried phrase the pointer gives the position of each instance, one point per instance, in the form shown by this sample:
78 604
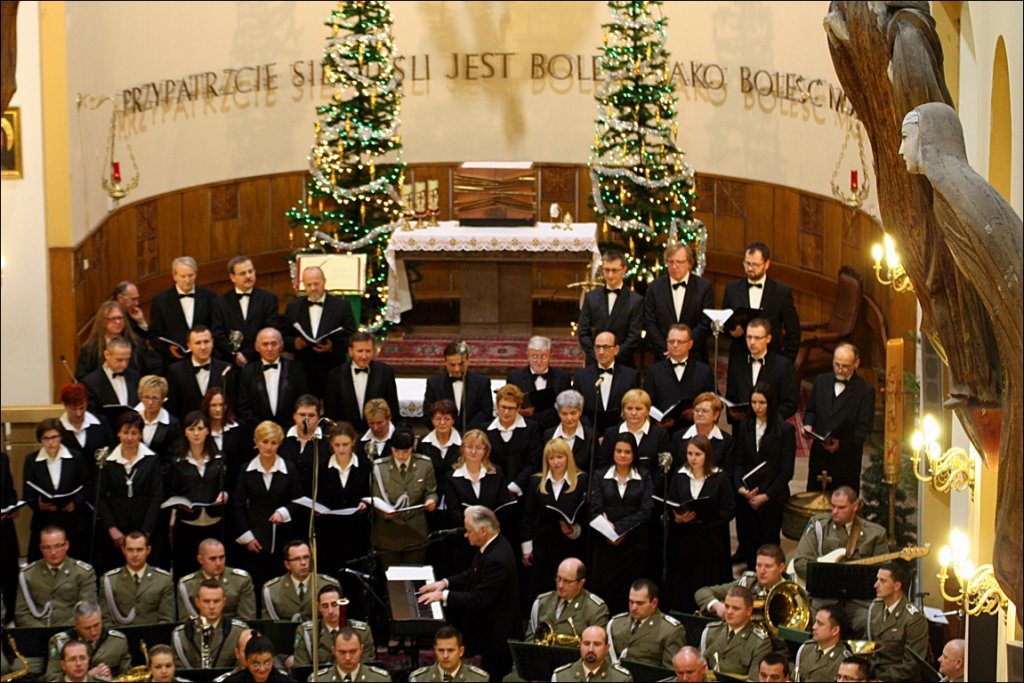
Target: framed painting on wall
10 144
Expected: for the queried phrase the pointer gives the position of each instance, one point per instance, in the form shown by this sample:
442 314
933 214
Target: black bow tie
317 303
197 368
759 285
542 375
117 374
612 291
606 371
677 285
242 294
756 360
842 381
680 364
190 295
359 370
269 366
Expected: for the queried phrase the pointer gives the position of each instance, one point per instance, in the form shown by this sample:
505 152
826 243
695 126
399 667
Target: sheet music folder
841 581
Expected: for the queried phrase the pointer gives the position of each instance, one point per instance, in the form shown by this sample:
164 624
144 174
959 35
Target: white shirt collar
368 436
294 431
163 417
278 466
624 427
758 282
431 438
716 433
484 547
686 279
115 455
565 478
333 463
520 423
633 474
464 472
87 421
560 433
244 291
685 469
62 454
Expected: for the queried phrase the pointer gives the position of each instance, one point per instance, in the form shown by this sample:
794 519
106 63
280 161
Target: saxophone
24 670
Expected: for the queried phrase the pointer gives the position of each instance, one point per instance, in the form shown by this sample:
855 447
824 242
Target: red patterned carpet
494 356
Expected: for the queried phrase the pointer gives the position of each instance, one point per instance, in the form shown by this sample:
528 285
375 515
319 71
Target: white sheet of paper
604 527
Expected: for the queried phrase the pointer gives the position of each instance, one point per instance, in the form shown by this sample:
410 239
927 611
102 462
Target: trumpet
24 670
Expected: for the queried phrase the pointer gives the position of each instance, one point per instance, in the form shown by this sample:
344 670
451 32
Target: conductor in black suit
353 383
678 297
472 393
616 380
189 379
317 314
178 309
484 599
760 365
842 405
774 299
113 383
268 388
678 377
243 309
538 375
613 308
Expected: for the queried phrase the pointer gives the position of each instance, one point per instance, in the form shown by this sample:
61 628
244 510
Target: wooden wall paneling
198 239
836 222
584 201
557 183
63 319
731 219
171 234
810 232
283 192
785 242
147 235
254 223
225 237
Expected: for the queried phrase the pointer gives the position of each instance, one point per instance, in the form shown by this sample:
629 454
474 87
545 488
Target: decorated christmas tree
643 189
352 200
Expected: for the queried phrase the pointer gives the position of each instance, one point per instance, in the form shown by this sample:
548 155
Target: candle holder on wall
111 179
859 189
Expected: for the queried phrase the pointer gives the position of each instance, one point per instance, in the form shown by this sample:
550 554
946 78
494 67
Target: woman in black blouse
762 438
622 494
130 493
196 474
298 443
161 431
550 536
569 405
515 441
696 555
650 438
441 445
233 438
83 431
50 475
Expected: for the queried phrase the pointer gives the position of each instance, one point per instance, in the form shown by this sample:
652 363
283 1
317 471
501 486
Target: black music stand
280 632
694 625
34 641
303 673
537 662
646 672
927 671
841 581
202 674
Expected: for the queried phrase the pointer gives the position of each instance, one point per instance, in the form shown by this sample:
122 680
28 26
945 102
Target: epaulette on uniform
84 565
420 456
620 614
564 667
239 572
759 632
273 582
324 672
544 595
670 619
239 623
113 572
358 625
912 608
158 570
475 669
622 670
422 671
188 577
596 598
116 634
30 565
377 669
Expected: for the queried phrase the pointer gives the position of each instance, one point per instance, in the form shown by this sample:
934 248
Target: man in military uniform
855 668
951 662
240 596
403 480
593 664
448 649
108 650
329 603
348 666
569 608
645 634
74 662
50 588
735 645
897 624
819 658
213 647
842 529
773 668
287 597
689 665
137 594
769 572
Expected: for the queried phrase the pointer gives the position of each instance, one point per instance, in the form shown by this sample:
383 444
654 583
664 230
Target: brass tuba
546 635
18 673
787 605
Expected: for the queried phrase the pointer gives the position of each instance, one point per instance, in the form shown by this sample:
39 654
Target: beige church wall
498 88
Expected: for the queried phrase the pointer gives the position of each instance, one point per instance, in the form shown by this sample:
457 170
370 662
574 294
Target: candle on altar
433 194
421 196
115 170
853 180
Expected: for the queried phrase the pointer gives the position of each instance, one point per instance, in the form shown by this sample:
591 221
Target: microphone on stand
358 575
445 532
64 361
305 426
326 423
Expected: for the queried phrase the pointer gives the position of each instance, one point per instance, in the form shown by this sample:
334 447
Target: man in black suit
678 378
322 317
472 393
242 310
612 308
350 385
180 308
484 599
760 365
113 383
539 376
616 380
267 389
189 379
841 406
678 297
771 297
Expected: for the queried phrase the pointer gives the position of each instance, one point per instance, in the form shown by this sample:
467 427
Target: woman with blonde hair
636 420
110 321
161 431
554 516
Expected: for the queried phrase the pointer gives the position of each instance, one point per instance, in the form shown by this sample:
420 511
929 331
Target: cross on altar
824 479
